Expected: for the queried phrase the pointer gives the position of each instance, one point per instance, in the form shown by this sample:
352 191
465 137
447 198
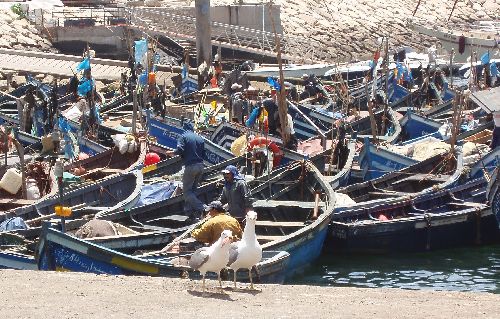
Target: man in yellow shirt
219 221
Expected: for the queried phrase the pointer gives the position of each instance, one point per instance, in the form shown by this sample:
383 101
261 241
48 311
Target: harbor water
461 269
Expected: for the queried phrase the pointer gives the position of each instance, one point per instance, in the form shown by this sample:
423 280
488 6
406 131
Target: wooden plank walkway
61 65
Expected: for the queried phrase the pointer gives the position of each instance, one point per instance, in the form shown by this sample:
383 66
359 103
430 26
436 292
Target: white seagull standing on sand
247 252
212 258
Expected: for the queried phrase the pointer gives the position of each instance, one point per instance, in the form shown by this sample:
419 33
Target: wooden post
369 103
203 34
20 151
455 120
134 113
282 106
6 145
386 74
451 66
452 9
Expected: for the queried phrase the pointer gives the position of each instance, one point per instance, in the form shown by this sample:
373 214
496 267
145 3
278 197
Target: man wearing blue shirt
191 147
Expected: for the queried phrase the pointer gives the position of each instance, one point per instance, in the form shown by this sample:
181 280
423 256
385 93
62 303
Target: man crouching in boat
235 193
210 231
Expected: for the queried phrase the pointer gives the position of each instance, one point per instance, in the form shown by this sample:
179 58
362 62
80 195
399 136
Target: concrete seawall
349 29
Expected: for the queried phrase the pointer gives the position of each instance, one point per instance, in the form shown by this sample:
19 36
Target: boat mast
282 106
452 54
416 8
452 9
386 73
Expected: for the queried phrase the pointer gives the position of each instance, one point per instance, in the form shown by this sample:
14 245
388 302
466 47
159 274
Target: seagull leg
251 281
220 282
234 279
250 275
203 289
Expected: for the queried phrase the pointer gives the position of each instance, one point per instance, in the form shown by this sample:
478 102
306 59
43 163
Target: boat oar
36 220
183 235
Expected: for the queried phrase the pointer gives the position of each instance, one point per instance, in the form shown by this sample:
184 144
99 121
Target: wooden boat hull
12 260
304 244
418 226
119 191
414 126
433 232
493 195
375 162
168 131
61 252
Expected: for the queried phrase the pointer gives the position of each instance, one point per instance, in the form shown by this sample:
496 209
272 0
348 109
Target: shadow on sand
209 294
244 290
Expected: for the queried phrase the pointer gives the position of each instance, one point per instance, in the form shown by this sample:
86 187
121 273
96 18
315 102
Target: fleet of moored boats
383 165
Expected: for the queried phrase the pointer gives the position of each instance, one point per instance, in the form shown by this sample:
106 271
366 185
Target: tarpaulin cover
84 65
85 86
13 224
141 48
156 192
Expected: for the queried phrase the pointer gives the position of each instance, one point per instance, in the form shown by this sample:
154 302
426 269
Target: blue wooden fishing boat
341 170
485 166
288 218
320 120
293 216
437 172
118 191
62 252
15 260
110 161
493 194
167 130
413 102
226 133
376 161
441 109
414 125
430 221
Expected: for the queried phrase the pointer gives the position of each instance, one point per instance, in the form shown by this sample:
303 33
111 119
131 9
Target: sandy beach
31 294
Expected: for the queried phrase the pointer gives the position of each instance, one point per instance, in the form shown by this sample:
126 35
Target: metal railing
79 17
161 20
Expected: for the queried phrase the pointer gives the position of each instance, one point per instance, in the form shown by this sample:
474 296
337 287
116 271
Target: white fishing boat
355 70
480 37
292 70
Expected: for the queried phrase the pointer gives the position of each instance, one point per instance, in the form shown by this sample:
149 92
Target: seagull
212 258
247 252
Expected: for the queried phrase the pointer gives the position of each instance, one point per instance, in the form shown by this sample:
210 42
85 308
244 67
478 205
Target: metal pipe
310 122
134 113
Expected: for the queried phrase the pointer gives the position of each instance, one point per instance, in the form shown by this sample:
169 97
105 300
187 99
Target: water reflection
465 269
